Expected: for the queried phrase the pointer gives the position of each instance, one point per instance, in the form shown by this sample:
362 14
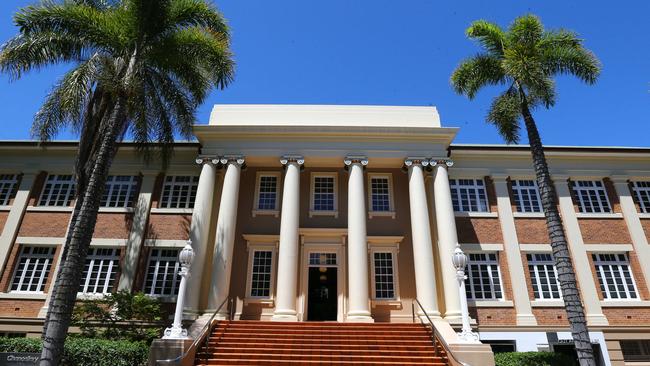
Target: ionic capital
447 162
349 160
207 159
287 159
411 161
238 160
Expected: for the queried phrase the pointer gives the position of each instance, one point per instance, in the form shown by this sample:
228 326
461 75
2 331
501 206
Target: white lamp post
459 259
185 258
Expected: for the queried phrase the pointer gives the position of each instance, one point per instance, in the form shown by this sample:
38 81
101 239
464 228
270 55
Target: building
344 213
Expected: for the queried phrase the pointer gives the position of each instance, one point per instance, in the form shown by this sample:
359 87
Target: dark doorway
322 294
570 350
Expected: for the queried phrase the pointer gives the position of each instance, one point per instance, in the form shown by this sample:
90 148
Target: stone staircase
319 343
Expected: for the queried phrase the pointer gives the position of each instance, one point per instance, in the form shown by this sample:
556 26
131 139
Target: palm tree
525 58
140 68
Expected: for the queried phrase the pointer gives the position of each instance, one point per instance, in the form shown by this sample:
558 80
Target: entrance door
322 294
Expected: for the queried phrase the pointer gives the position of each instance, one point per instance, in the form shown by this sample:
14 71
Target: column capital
238 160
207 159
353 159
447 162
286 159
411 161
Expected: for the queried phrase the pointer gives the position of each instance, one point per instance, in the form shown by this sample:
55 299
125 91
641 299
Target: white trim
535 248
252 248
258 180
312 210
528 215
473 247
609 248
540 303
116 209
5 207
614 303
393 250
604 215
475 214
50 208
157 210
164 243
49 241
21 295
391 196
490 303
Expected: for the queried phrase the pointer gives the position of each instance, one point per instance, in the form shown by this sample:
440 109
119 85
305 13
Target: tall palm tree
139 68
525 58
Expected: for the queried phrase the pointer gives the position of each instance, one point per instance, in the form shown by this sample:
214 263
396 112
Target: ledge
528 215
581 215
490 303
372 214
171 210
313 213
547 303
644 215
252 300
49 209
392 303
476 214
5 207
274 213
17 295
624 303
116 210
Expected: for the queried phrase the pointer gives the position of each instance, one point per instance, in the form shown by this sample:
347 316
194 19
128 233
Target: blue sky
402 53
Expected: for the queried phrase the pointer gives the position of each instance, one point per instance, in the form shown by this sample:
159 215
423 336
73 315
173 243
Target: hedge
86 351
533 359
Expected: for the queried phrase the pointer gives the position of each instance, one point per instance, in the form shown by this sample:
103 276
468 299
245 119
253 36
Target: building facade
344 213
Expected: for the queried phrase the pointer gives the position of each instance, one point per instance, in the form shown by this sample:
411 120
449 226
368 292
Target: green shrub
87 351
533 359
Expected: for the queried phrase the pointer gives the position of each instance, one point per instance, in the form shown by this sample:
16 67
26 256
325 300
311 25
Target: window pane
483 277
380 194
526 196
323 193
8 183
59 190
162 276
468 195
100 270
268 192
591 196
179 191
32 269
261 273
614 275
384 280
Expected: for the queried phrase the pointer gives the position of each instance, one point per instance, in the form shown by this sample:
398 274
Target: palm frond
571 60
476 72
526 30
196 13
505 113
489 35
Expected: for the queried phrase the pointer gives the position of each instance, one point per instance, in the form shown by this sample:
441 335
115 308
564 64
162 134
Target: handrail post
413 310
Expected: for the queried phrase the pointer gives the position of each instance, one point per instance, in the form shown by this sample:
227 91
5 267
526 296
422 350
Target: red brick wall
639 278
611 194
645 223
35 193
113 225
506 283
479 230
491 194
627 316
604 231
550 316
9 268
3 219
169 226
53 224
486 316
532 231
20 308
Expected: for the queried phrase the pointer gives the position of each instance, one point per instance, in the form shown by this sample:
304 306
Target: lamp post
185 258
459 259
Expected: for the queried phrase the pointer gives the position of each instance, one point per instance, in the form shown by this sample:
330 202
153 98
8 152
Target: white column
447 237
637 234
289 252
581 265
14 218
199 228
513 254
136 235
425 281
225 237
358 299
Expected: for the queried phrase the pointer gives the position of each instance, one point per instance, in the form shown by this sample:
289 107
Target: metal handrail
205 332
435 334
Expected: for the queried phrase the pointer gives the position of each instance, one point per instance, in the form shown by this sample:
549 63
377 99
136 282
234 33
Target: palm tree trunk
561 254
69 276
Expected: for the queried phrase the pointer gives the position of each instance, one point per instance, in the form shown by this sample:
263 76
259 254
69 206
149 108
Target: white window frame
312 195
600 262
393 250
252 248
641 191
526 196
8 184
540 265
469 280
595 191
113 192
49 199
192 186
258 182
112 262
456 185
158 258
391 202
45 259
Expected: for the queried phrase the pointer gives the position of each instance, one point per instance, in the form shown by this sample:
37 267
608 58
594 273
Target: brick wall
612 195
627 315
113 225
44 224
532 231
486 316
604 231
3 219
479 230
169 226
506 282
645 223
20 308
550 316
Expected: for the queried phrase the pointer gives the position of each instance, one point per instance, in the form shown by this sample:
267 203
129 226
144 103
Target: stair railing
204 335
435 334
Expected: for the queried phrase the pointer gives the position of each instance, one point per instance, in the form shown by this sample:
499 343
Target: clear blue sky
402 53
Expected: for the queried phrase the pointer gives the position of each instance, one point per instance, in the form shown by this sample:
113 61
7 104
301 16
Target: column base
359 317
526 319
433 315
453 318
284 316
596 319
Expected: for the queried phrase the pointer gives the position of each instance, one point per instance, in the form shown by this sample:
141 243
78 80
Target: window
636 350
100 270
162 272
179 191
483 278
383 264
267 192
59 190
32 269
468 195
591 195
616 281
526 195
381 199
323 199
322 259
260 269
641 192
120 191
543 276
7 187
